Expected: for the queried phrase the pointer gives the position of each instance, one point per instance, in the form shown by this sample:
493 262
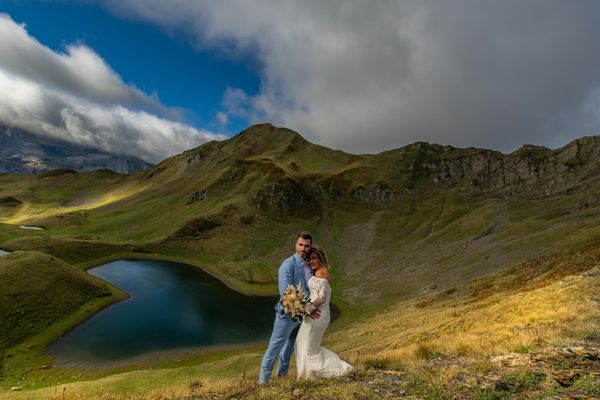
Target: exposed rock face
198 227
284 198
429 288
382 193
26 152
122 164
196 196
276 157
533 169
328 189
579 361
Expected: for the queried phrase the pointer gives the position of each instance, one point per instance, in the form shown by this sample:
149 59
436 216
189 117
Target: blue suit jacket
291 272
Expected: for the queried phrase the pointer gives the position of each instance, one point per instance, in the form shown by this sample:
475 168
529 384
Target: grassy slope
426 235
40 298
37 289
433 343
438 237
380 253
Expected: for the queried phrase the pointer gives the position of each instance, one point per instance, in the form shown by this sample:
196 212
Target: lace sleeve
321 289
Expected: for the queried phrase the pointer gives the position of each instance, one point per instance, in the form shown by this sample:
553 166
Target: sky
153 78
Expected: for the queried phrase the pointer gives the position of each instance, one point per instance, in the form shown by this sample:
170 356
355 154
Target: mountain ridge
421 214
26 152
433 250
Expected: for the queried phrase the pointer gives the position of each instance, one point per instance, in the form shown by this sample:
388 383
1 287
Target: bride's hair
318 252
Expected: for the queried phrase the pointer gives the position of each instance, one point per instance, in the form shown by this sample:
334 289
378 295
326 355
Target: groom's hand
315 314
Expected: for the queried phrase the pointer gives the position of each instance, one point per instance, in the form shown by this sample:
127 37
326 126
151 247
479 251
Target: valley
435 251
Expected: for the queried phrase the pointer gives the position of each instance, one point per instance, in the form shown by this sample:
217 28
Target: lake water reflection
172 306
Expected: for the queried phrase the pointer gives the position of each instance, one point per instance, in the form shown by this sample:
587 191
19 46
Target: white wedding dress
312 360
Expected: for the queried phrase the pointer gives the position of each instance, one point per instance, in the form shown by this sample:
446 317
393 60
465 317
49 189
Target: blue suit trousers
281 344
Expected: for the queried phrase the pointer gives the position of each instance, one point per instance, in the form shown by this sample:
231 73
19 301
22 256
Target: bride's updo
319 254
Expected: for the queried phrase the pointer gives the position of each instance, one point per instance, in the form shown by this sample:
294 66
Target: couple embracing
307 268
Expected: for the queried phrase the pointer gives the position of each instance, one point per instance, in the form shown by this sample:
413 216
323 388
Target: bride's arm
318 301
319 298
320 294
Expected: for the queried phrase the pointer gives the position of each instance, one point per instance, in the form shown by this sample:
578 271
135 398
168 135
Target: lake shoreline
157 359
154 256
121 295
52 348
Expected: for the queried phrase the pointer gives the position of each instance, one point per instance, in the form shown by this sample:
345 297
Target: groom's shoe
264 376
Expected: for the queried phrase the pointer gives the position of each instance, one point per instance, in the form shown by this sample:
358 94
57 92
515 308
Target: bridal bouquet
294 302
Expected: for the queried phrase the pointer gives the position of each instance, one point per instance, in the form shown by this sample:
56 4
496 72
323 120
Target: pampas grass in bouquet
294 302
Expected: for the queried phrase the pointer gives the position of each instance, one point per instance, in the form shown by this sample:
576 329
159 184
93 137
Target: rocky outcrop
328 188
531 169
381 193
197 227
196 196
285 198
152 172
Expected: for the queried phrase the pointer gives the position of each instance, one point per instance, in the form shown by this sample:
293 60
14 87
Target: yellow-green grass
9 232
41 297
380 252
147 379
532 306
550 301
44 197
36 290
383 252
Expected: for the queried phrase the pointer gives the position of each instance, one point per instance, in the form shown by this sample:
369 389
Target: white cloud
371 75
77 97
222 118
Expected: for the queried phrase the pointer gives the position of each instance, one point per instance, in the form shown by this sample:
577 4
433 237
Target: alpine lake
172 307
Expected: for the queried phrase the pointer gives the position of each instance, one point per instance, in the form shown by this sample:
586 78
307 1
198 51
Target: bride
312 360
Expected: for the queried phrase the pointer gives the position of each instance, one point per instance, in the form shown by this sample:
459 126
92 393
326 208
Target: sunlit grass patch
40 211
505 320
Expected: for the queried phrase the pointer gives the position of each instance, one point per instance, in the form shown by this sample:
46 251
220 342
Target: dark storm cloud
372 75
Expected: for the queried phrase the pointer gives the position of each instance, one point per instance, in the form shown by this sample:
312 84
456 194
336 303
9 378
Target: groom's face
303 247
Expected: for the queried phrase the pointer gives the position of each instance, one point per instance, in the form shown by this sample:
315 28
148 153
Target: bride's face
314 263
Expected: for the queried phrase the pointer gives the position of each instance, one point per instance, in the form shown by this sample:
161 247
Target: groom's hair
305 235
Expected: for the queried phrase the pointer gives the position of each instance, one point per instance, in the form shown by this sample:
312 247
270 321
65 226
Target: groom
293 271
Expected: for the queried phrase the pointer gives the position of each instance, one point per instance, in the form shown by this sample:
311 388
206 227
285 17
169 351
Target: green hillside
36 290
396 225
528 332
41 297
410 217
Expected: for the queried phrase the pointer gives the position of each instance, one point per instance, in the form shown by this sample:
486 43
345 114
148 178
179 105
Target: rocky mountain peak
27 152
264 136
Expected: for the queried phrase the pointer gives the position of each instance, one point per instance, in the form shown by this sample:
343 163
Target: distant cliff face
299 178
26 152
531 170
